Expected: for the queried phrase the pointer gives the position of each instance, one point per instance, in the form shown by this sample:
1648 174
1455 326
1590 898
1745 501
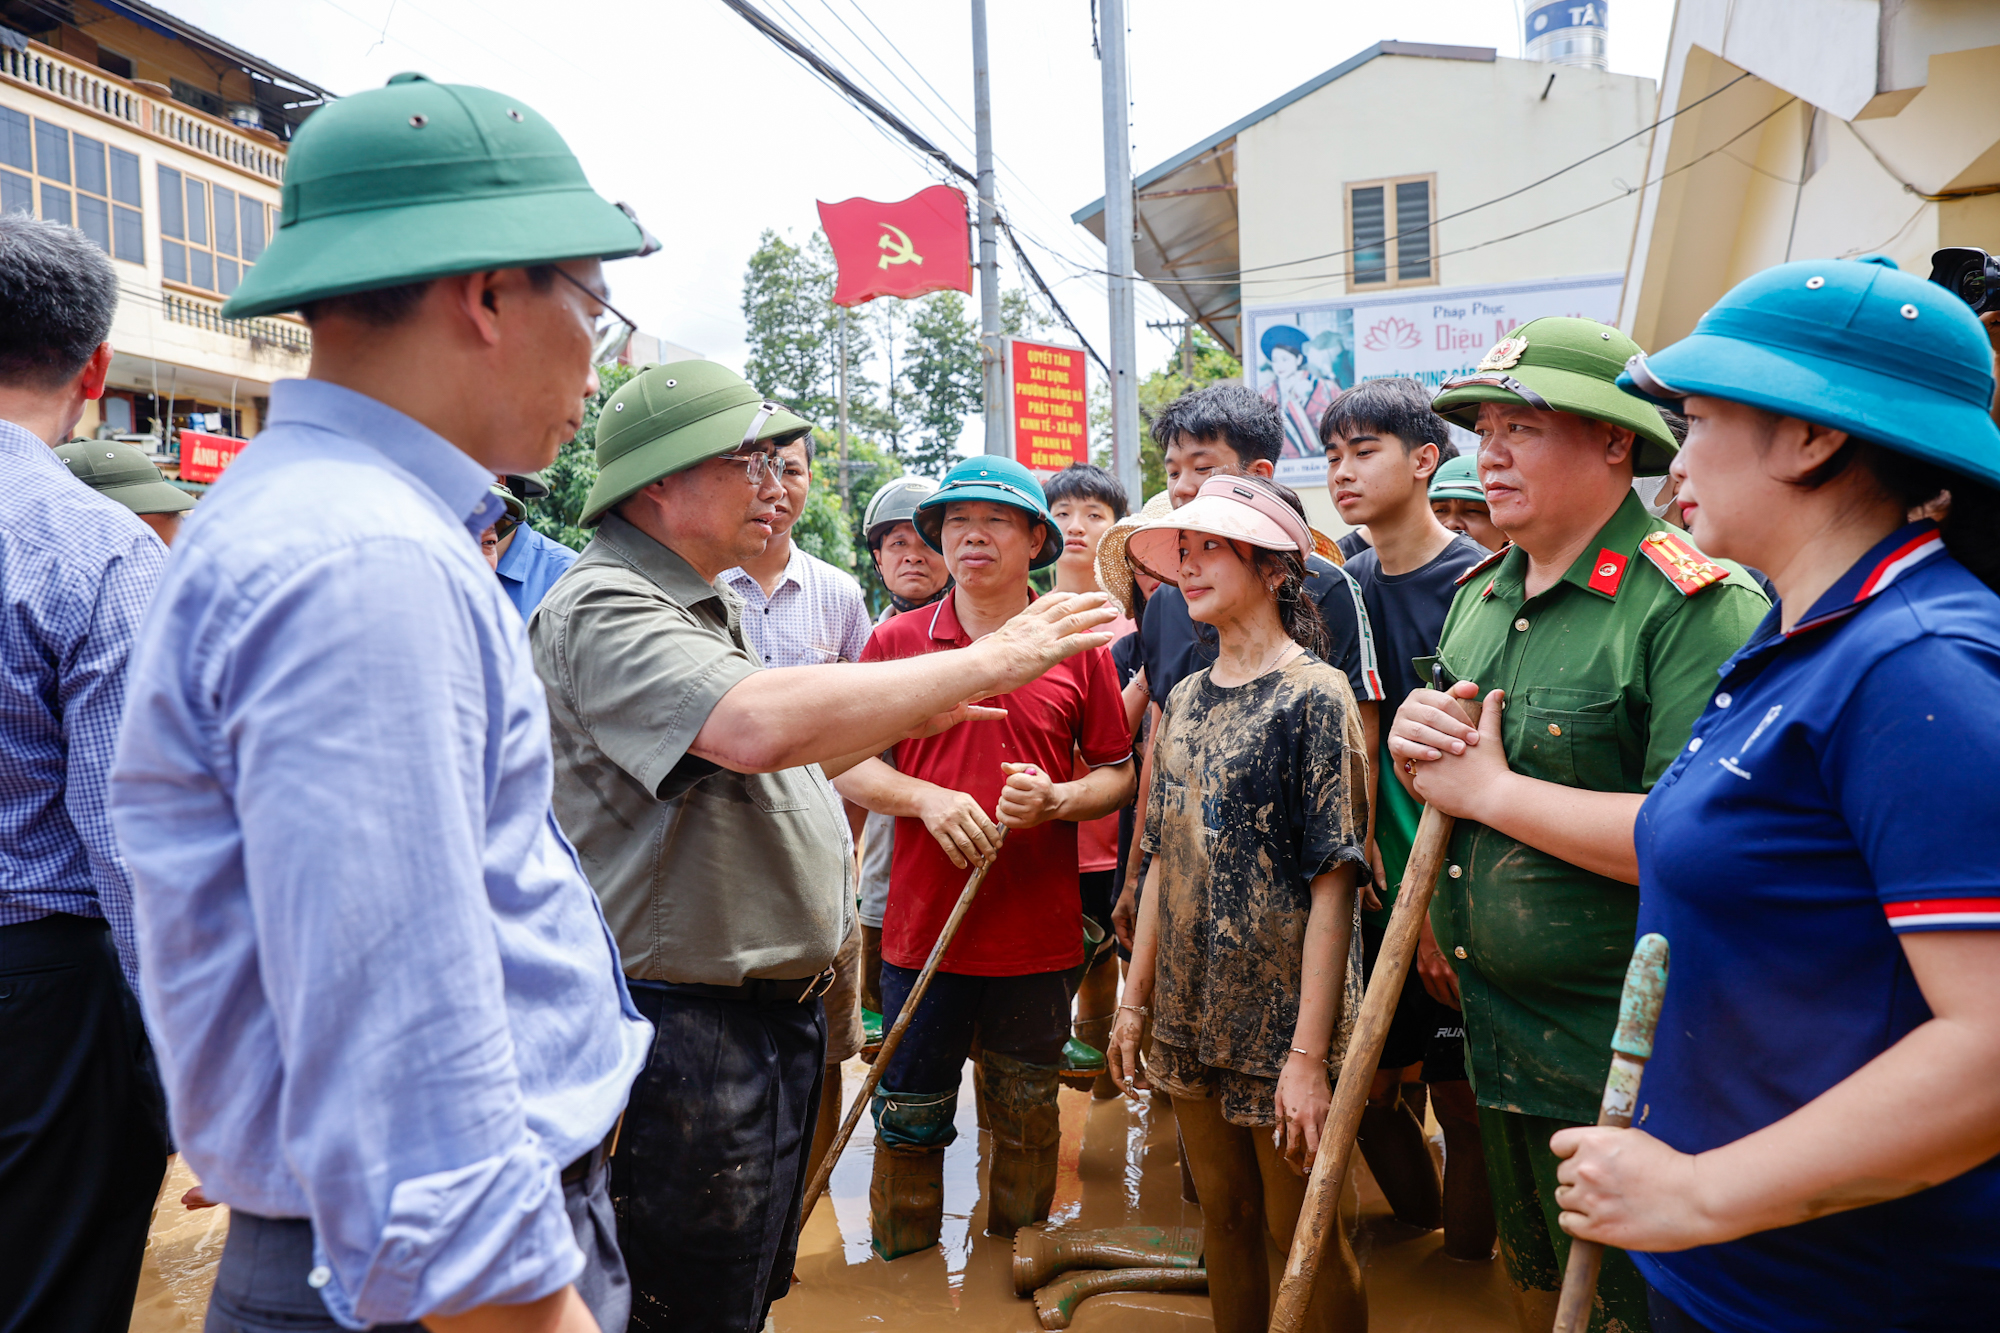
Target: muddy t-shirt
1257 789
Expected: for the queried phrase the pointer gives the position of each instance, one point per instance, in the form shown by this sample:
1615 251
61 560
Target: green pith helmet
418 180
667 418
1000 481
1570 365
895 503
1458 479
516 511
122 472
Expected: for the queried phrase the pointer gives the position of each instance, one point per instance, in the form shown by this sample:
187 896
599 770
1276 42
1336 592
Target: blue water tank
1569 32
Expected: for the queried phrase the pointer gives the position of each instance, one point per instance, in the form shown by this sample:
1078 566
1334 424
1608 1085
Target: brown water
1119 1167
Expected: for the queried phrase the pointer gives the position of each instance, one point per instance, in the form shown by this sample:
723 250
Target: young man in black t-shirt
1383 443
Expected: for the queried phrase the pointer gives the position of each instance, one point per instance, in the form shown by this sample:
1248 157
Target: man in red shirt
1005 981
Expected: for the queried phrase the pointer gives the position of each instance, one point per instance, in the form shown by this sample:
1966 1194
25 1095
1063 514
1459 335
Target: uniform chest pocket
1570 737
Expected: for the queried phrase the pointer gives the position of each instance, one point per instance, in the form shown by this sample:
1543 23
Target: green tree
1212 365
574 472
942 352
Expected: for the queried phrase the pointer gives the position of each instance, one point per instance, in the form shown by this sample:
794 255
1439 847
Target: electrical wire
819 65
1480 245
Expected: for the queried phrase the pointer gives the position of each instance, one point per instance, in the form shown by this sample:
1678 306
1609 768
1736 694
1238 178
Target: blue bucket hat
1001 481
1284 335
1857 345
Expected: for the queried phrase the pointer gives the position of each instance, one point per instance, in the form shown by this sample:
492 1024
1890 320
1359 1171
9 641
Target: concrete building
1392 216
167 146
1810 129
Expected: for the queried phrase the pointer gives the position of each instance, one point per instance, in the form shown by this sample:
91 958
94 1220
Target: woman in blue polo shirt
1820 1121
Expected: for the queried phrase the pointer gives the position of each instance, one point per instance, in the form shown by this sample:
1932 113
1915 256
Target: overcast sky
681 109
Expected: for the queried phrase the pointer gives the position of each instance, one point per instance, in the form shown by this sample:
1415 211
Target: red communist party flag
903 249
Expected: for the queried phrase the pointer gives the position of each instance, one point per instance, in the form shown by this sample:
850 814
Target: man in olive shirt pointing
693 782
1594 640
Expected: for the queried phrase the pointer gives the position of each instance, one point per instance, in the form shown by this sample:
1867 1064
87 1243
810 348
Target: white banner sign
1302 356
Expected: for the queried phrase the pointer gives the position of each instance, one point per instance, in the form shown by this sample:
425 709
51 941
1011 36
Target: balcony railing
54 75
262 334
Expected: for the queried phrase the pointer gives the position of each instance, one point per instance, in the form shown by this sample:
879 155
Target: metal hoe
1631 1047
817 1186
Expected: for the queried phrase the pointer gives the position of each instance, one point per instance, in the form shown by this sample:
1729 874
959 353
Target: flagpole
1118 227
989 249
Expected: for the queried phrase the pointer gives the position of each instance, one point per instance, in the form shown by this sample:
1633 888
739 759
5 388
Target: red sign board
1045 392
905 249
205 457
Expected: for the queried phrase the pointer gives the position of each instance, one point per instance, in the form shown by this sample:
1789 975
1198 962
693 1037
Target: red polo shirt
1027 917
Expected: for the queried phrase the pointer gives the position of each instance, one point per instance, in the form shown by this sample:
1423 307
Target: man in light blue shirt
83 1140
388 1011
530 563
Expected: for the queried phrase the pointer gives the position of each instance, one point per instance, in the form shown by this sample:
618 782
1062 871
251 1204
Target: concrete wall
1861 115
1483 128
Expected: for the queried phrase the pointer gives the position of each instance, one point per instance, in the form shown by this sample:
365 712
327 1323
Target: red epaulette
1685 567
1483 565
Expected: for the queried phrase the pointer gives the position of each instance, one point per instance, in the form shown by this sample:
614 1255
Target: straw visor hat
1114 575
1230 507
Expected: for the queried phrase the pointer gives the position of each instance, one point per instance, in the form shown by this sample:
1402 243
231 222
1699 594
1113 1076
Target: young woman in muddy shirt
1246 953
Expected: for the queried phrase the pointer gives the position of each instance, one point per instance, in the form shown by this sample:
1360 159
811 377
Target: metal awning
1186 206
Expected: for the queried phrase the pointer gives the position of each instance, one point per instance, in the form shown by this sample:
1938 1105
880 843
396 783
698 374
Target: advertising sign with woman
1301 356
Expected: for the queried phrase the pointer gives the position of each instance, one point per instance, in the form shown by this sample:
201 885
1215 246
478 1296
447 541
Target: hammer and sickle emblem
900 250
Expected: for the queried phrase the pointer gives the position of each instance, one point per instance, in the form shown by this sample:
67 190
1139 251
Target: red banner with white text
1045 395
205 457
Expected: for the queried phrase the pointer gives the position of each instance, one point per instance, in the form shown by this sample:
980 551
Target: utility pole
1118 226
1185 328
989 248
846 486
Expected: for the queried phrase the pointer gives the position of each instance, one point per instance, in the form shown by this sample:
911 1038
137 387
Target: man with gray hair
81 1114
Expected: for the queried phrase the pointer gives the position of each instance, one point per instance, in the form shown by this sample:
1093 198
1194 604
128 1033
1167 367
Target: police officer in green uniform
1577 659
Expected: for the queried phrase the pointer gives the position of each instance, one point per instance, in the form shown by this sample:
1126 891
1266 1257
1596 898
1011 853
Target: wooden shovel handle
1320 1213
895 1036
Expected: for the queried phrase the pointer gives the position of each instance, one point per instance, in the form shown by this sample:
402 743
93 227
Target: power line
1472 208
819 65
1512 235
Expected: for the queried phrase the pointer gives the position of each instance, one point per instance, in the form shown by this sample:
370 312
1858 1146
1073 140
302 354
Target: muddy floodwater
1120 1167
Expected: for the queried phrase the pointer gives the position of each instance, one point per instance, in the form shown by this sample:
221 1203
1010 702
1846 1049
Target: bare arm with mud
1123 1057
773 720
1304 1093
1925 1110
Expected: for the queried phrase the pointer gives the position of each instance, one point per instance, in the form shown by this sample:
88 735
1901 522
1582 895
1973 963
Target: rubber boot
905 1199
906 1193
1040 1254
1083 1063
1096 1032
1055 1304
1027 1131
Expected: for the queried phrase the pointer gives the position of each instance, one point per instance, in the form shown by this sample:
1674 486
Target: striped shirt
816 616
76 574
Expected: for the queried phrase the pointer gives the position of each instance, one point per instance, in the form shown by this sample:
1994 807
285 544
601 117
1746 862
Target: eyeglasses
612 330
1507 382
756 466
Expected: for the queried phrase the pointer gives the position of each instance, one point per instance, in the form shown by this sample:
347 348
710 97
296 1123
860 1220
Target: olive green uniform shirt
1603 688
706 875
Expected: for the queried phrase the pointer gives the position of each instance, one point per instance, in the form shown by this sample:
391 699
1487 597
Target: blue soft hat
1000 480
1855 344
1284 335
